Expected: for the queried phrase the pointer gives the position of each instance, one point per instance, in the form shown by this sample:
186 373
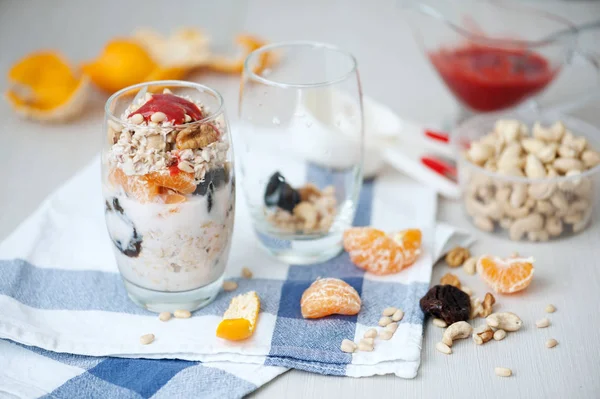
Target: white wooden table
35 159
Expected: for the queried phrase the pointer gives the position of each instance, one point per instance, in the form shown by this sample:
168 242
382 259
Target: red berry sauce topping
171 105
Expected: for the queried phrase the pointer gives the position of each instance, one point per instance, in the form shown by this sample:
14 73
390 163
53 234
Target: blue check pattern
311 345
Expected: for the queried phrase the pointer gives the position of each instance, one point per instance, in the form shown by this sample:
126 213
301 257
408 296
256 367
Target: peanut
389 311
370 333
442 347
551 343
499 335
164 316
503 372
182 314
470 266
146 339
550 309
439 323
348 346
542 323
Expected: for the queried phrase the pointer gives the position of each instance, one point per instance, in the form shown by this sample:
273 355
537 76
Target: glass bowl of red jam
493 55
527 175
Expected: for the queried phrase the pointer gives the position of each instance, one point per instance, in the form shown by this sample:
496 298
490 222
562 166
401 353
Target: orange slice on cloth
139 187
236 64
43 87
327 296
506 276
376 252
239 320
122 63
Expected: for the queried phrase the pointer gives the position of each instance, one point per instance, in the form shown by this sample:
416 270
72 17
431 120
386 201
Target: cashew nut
533 222
590 158
548 153
567 152
518 195
476 208
509 129
506 321
534 168
479 152
563 165
554 226
458 330
541 235
553 133
532 145
559 201
544 207
483 223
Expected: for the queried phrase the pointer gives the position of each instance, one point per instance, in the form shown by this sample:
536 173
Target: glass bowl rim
299 43
178 83
494 116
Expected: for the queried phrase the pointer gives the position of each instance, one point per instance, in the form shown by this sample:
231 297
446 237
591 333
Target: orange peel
248 44
122 63
184 49
43 87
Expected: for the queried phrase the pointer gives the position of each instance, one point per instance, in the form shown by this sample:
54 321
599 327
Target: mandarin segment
506 276
410 242
182 182
139 187
329 296
376 252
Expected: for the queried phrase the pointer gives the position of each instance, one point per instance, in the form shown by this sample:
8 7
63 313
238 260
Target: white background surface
34 159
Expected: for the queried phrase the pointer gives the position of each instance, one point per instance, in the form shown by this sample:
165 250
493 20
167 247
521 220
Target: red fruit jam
490 79
173 106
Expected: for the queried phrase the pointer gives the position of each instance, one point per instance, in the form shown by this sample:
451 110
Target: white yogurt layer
183 246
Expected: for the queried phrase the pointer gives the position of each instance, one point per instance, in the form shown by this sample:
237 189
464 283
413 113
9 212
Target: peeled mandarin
506 276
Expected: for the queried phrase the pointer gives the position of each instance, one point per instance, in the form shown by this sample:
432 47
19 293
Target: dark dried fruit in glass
446 302
281 194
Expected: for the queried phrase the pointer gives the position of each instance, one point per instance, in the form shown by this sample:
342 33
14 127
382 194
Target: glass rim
498 42
299 43
179 83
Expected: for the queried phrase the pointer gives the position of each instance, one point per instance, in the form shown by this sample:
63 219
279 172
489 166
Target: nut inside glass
301 135
169 191
523 208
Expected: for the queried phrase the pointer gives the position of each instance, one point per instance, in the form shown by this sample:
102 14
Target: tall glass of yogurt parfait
169 190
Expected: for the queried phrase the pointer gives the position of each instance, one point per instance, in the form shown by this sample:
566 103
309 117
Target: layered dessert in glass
169 192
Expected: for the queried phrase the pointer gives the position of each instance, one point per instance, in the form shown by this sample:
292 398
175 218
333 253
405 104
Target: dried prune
279 193
446 302
121 230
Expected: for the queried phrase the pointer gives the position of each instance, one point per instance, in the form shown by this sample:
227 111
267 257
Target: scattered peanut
542 323
391 327
247 273
370 333
158 117
398 315
365 347
550 309
367 341
348 346
457 256
164 316
386 335
442 347
450 279
182 314
384 321
470 266
499 335
503 372
229 286
389 311
439 323
146 339
551 343
458 330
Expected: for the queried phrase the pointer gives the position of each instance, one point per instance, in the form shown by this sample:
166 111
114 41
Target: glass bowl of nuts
528 176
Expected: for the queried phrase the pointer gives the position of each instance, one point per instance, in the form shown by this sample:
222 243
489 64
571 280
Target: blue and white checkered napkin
68 327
